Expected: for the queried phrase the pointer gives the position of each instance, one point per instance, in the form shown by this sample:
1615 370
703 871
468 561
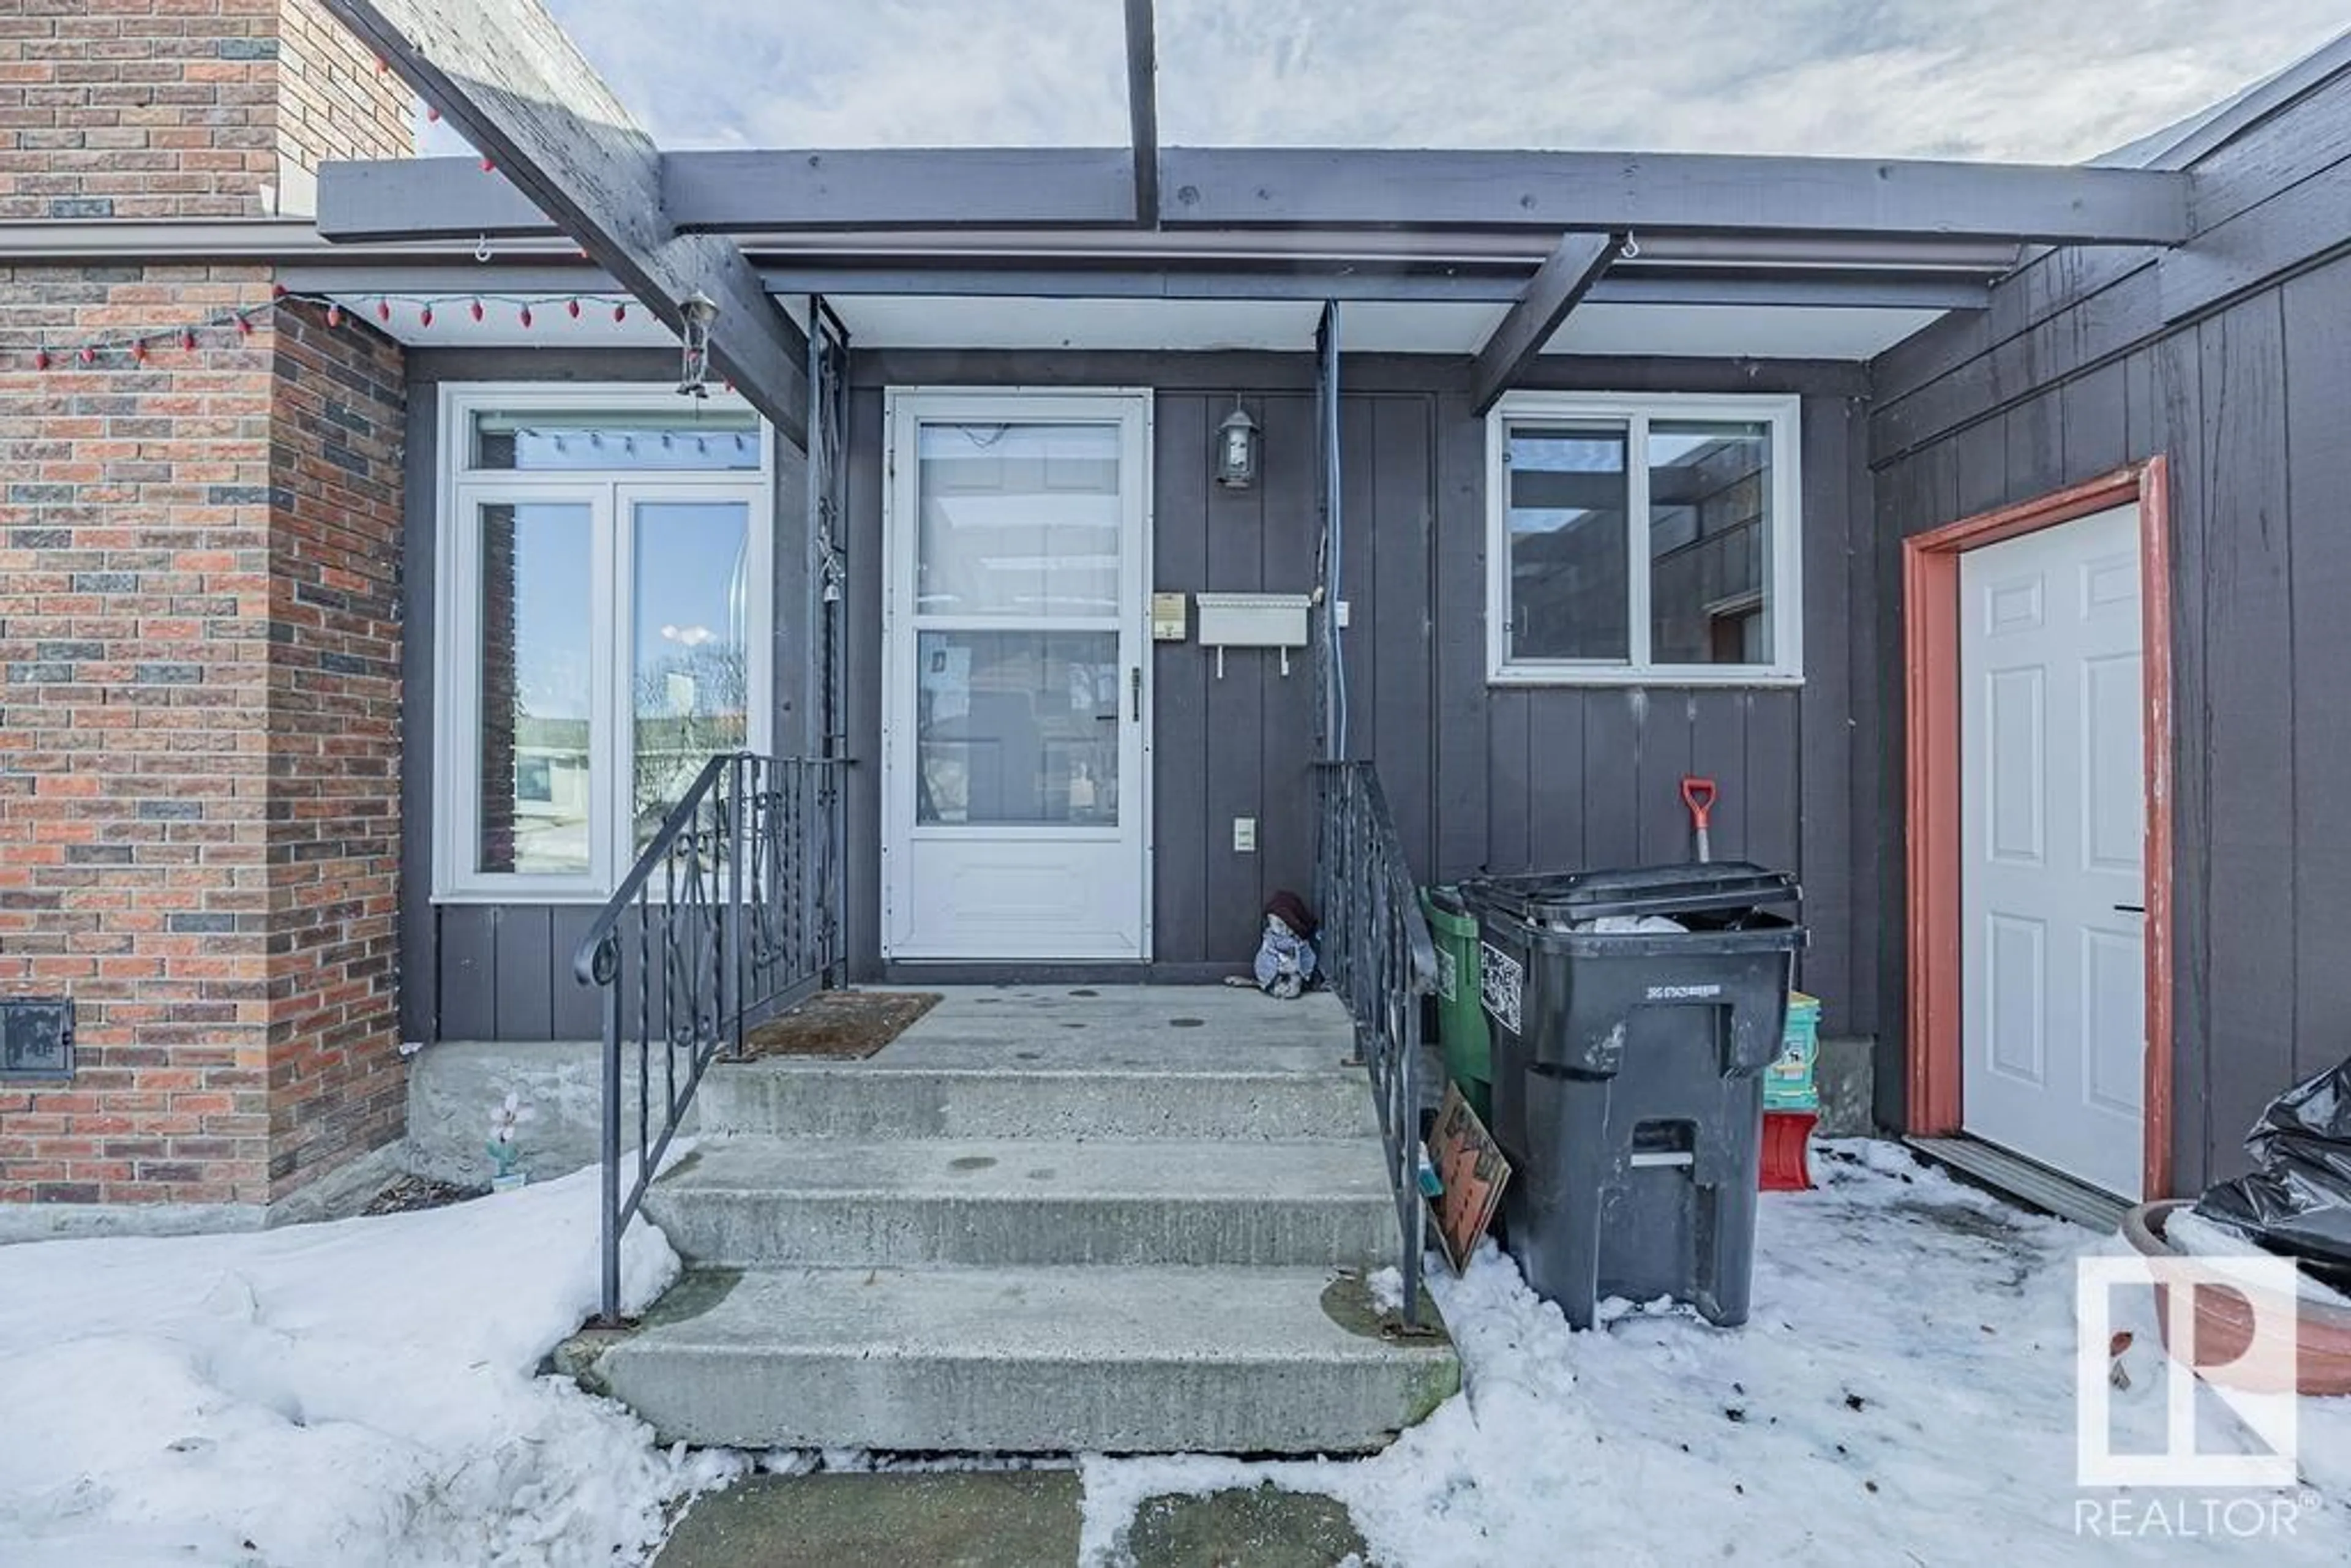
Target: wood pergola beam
1204 190
1672 192
506 76
1565 278
1142 109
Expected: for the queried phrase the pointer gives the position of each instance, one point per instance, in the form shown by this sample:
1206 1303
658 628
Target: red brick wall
199 681
332 101
133 634
337 1088
181 109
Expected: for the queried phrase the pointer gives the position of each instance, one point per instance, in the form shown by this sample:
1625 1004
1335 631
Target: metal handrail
727 917
1378 953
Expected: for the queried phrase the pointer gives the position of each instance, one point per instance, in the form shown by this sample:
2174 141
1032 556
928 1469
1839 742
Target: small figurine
505 1155
1285 954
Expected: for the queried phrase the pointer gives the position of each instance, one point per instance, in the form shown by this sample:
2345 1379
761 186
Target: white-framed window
1643 540
603 587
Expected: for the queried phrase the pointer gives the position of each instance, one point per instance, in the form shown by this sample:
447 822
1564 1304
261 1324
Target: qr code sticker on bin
1447 976
1500 982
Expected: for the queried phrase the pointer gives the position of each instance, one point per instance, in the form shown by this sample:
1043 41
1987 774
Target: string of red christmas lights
138 350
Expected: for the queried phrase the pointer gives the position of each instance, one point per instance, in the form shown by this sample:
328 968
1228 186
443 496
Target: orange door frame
1930 609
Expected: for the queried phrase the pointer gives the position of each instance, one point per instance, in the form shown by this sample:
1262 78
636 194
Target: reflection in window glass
1019 520
1569 597
1018 727
691 674
635 440
1709 508
535 609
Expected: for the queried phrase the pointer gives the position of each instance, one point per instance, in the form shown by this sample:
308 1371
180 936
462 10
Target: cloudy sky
2056 80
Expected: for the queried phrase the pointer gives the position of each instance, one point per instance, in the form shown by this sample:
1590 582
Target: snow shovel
1698 794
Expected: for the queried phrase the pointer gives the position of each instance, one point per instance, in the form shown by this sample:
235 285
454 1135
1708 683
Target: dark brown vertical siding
861 654
2317 310
1465 728
2248 645
1179 685
420 953
1500 779
1480 777
1832 434
2229 359
1230 771
1403 506
1286 734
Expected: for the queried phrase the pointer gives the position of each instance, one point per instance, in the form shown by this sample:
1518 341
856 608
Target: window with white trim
1643 540
603 596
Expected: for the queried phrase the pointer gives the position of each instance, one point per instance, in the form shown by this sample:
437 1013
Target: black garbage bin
1628 1089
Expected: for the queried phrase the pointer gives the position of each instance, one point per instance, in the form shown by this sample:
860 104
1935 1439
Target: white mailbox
1253 620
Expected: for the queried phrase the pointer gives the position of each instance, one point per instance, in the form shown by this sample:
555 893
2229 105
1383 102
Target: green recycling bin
1460 1019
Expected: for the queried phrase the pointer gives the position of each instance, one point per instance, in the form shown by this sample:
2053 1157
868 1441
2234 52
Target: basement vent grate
36 1037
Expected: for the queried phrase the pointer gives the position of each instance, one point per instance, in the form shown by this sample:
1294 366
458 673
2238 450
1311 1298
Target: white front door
2053 811
1015 734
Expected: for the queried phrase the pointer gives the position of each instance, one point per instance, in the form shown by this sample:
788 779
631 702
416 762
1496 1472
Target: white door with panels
1015 709
2053 810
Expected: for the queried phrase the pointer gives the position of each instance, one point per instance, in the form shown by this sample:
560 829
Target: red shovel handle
1698 794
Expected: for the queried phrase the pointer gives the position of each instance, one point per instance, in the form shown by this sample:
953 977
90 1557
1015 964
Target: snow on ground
366 1393
1903 1393
351 1394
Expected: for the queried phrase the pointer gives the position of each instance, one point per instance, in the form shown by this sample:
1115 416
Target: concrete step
750 1202
1056 1091
1046 1062
1204 1360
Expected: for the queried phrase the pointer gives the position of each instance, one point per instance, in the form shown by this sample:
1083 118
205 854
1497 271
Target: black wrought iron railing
730 915
1376 953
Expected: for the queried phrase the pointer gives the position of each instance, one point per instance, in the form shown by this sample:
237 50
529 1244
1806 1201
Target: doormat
845 1026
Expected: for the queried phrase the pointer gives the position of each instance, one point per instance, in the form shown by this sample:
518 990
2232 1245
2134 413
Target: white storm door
1014 713
2053 810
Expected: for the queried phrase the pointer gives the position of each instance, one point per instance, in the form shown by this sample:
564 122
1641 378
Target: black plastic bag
2299 1201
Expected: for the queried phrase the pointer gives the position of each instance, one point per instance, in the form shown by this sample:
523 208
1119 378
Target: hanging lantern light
693 368
424 316
1237 449
573 309
523 316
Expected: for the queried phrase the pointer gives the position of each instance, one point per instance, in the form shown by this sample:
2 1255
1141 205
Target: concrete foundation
1846 1075
452 1087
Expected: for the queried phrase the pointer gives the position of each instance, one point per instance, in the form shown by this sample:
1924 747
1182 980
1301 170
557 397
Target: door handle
1134 692
2130 909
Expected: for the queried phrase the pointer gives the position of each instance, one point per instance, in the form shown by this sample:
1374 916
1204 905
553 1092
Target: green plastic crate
1788 1083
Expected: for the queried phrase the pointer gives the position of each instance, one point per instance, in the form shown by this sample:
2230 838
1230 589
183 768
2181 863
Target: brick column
199 652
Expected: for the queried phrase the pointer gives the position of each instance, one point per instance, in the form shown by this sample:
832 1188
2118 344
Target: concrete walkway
1005 1518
